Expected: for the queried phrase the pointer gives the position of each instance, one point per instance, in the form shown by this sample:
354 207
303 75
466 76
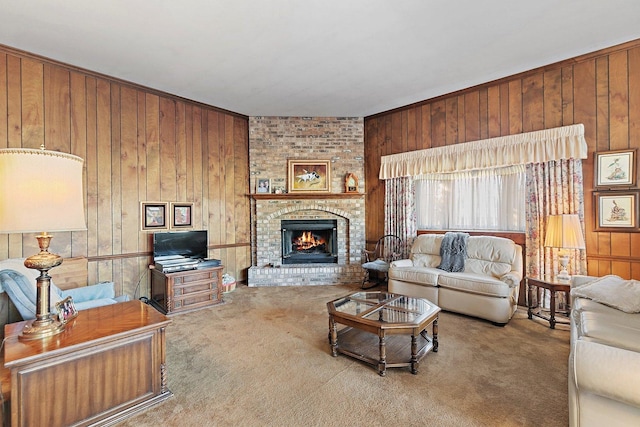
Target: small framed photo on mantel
263 185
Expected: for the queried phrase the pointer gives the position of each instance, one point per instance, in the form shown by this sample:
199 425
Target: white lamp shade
40 191
564 231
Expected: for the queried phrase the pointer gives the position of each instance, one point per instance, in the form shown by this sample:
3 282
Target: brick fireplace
269 269
342 141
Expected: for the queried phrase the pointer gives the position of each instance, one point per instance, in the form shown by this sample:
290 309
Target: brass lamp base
41 329
45 324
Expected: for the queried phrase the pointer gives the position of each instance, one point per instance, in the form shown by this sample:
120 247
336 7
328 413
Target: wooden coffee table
377 328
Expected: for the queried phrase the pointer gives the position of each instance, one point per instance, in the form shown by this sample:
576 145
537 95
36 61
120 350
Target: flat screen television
191 244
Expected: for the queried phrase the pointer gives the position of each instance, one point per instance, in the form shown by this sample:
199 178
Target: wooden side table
108 364
554 286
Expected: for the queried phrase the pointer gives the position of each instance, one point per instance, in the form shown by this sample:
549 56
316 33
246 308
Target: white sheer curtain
491 199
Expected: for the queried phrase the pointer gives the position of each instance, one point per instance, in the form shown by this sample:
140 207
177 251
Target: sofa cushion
600 323
426 260
490 255
427 276
425 251
613 291
474 283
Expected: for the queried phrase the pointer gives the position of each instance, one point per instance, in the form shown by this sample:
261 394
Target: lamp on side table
564 232
41 191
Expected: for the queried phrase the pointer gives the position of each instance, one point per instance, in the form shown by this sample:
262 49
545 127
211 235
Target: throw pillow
613 291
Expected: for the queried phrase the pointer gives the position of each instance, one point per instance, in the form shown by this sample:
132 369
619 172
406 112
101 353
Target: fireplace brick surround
273 140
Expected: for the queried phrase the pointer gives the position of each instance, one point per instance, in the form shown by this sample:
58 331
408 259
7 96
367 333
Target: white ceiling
314 57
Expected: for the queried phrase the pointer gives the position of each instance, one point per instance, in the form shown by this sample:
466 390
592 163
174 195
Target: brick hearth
269 271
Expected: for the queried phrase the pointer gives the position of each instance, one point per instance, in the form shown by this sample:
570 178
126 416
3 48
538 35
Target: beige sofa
604 361
487 288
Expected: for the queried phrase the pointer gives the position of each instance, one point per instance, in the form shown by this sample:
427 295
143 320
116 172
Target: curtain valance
565 142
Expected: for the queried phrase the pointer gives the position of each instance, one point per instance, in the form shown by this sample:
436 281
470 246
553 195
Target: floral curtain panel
400 210
553 188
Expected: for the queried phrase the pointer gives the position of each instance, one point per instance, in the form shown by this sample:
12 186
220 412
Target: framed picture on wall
154 215
309 176
616 211
616 168
181 215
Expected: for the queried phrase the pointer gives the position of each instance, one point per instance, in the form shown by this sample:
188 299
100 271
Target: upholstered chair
19 282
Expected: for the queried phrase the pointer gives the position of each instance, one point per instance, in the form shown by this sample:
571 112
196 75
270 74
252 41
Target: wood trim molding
150 254
611 258
518 237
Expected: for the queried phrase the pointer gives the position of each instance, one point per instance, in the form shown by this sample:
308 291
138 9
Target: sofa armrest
86 293
402 263
512 279
607 371
578 280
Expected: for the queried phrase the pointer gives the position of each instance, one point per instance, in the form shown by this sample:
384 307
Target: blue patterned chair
19 282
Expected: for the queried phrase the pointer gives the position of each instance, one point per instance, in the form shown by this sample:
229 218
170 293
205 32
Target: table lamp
41 191
564 232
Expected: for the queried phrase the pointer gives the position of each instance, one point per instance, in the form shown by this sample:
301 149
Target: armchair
19 283
388 249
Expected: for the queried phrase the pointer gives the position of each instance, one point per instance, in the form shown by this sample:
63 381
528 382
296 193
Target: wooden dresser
186 290
108 364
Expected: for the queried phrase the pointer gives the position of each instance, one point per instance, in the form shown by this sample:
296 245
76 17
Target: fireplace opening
309 241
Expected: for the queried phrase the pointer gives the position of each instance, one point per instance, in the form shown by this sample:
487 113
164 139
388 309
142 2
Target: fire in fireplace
309 241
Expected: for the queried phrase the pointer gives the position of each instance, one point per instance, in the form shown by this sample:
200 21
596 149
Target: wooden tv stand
108 364
186 290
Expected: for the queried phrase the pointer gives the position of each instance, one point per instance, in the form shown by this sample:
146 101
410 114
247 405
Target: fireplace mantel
307 196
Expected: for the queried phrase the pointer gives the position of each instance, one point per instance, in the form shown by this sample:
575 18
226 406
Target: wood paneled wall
139 145
600 90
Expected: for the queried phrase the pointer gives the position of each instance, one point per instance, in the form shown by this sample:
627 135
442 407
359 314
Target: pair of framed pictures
616 197
158 215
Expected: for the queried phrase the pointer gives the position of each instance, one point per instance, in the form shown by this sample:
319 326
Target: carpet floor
263 359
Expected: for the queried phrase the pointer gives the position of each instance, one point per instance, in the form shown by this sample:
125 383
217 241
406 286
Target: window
492 199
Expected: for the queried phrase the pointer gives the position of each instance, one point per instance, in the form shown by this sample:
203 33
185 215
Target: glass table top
384 307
